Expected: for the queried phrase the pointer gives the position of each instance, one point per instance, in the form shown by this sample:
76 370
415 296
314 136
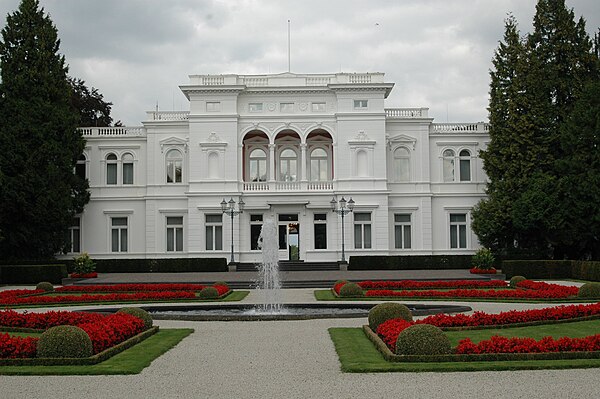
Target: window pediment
174 141
402 139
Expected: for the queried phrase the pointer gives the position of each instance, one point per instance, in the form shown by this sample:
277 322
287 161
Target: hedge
408 262
33 274
545 269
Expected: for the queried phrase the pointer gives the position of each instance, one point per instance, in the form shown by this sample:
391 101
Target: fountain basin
289 312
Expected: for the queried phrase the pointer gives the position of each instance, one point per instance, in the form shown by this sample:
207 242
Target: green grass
131 361
327 295
357 354
573 330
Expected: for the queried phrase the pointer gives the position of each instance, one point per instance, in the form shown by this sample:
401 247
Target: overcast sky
437 52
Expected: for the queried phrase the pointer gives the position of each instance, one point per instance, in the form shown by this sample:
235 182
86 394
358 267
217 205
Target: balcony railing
121 131
479 127
406 113
168 115
282 186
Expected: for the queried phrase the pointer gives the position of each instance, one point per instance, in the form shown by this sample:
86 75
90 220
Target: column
303 176
271 162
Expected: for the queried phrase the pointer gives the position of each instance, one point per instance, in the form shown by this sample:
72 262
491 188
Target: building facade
286 145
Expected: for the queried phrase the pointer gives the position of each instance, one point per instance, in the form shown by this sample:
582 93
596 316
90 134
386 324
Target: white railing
168 115
360 78
406 113
256 186
213 80
320 186
112 131
479 127
255 82
287 186
317 81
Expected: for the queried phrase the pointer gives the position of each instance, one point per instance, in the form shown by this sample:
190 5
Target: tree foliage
93 110
40 144
535 84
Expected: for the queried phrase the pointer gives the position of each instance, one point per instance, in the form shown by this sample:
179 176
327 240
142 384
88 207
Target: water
268 282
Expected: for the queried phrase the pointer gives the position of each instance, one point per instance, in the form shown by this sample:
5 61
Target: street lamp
229 208
344 209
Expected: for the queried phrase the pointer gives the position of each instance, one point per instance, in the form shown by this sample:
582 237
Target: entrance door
289 237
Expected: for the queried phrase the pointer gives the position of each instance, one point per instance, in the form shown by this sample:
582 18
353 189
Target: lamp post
229 208
344 209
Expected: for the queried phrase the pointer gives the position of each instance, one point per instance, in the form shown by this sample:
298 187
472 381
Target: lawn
357 354
130 361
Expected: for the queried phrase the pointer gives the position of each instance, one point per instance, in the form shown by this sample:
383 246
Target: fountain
268 270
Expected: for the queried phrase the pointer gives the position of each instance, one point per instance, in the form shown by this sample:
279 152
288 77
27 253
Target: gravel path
294 359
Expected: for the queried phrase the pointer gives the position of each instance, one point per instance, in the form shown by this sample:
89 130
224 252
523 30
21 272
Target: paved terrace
294 359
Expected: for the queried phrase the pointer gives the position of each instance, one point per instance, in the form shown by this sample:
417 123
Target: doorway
289 237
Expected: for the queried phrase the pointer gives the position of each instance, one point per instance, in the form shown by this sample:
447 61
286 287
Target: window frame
404 227
120 229
256 222
213 106
454 225
407 159
173 160
288 160
361 104
318 106
114 167
213 226
322 224
326 160
176 227
255 107
462 159
71 231
361 224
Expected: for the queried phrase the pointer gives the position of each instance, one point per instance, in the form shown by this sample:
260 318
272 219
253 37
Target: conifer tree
40 192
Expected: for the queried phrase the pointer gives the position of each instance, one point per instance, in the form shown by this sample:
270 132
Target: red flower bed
130 288
389 331
104 331
138 296
17 347
498 344
419 285
84 275
512 316
482 271
552 291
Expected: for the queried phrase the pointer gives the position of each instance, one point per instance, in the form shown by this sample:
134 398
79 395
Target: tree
93 110
40 192
535 83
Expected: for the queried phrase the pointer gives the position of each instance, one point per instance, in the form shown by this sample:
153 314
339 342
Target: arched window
402 164
288 165
258 165
174 166
111 169
127 160
81 166
465 165
319 170
448 163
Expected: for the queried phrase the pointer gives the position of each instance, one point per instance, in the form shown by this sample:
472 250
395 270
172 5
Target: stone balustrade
282 186
479 127
119 131
168 115
406 113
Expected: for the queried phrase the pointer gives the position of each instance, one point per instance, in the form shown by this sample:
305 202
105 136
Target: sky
437 52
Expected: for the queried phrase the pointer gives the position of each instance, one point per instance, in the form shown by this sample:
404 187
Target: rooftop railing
119 131
479 127
406 113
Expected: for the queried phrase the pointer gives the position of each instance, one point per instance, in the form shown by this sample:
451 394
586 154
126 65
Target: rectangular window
320 223
255 107
286 107
213 106
118 234
111 173
127 173
318 107
256 222
214 232
362 230
174 233
458 230
402 235
361 104
75 235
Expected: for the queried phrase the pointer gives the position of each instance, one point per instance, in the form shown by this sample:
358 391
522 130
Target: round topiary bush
387 311
140 314
45 286
516 280
589 290
351 290
64 341
222 283
340 282
423 339
208 293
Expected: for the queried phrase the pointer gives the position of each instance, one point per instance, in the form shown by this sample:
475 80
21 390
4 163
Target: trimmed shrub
140 314
423 339
83 264
340 282
64 341
483 259
349 290
208 293
516 280
45 286
387 311
221 283
410 262
589 290
33 274
542 269
585 270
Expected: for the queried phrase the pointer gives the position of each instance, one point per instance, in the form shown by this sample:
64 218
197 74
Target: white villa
285 145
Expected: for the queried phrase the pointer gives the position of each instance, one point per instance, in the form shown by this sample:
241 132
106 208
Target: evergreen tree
40 192
93 110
